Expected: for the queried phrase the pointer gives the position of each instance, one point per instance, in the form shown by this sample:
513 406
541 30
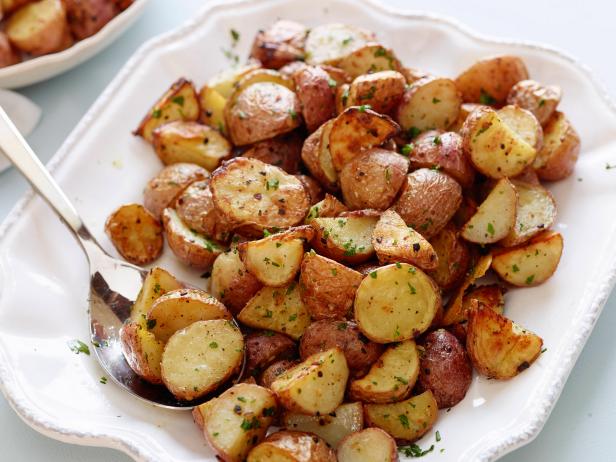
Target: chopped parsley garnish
342 326
407 149
268 314
247 425
293 114
213 345
413 132
235 36
401 380
609 167
486 98
435 100
541 102
332 83
103 380
438 436
491 229
437 140
544 350
369 94
151 323
363 107
404 420
515 268
413 450
345 96
266 232
412 288
77 346
347 40
529 279
272 184
380 52
373 274
334 272
179 100
293 317
156 113
269 411
157 288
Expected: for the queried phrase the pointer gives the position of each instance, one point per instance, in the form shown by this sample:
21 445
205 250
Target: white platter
44 67
43 277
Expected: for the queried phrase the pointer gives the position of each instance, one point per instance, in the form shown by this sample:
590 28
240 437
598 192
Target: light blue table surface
582 425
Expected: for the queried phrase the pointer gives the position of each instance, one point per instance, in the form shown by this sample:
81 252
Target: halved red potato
279 44
561 148
327 208
368 445
368 58
231 283
288 446
329 43
539 99
381 90
465 111
316 95
283 151
524 123
454 258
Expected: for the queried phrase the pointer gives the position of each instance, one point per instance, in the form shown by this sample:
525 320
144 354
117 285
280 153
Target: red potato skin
316 96
283 151
279 44
8 56
275 370
265 348
86 17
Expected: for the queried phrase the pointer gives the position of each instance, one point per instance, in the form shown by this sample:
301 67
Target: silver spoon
114 284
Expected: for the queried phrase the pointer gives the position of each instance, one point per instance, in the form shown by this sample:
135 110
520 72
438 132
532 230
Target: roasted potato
135 233
327 287
276 259
313 188
442 151
39 27
327 208
391 377
381 90
259 76
496 216
396 303
373 179
360 353
279 44
488 81
8 56
368 445
329 43
283 151
531 263
315 90
190 142
180 102
212 108
315 386
311 153
225 82
87 17
493 147
490 295
262 110
499 348
179 308
237 420
368 58
524 123
195 207
561 148
444 369
356 129
344 239
199 358
407 420
258 195
277 309
536 212
541 100
453 258
288 446
428 200
346 419
394 242
465 111
428 104
275 370
266 347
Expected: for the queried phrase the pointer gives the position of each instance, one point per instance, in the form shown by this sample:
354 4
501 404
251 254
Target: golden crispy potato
310 157
493 147
358 128
453 258
276 259
498 347
156 284
391 378
238 420
429 104
491 295
325 160
87 17
328 288
8 56
258 195
262 110
259 76
315 386
283 151
180 102
394 242
288 446
496 216
531 263
39 27
489 80
524 123
179 308
541 100
212 108
225 82
368 58
536 212
315 90
190 247
381 90
346 419
395 303
279 309
442 151
372 180
231 283
190 142
561 148
329 43
265 348
445 368
195 207
407 420
322 335
279 44
313 188
465 111
368 445
142 351
428 200
327 208
344 239
274 371
135 233
199 358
